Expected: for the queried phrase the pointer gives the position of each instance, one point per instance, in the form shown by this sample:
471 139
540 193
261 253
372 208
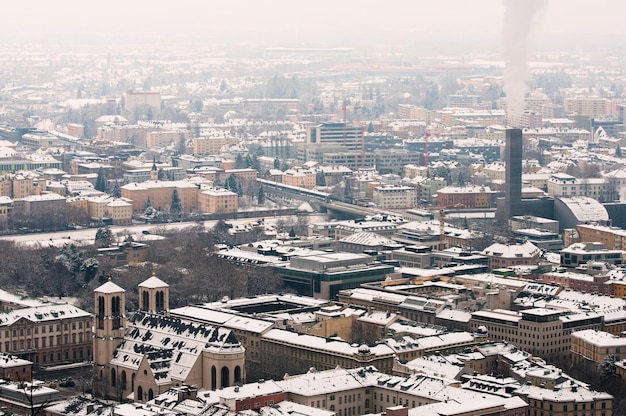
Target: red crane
426 135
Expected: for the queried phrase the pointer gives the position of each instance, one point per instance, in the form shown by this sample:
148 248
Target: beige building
160 194
394 196
140 99
6 206
590 347
47 334
217 200
586 106
144 357
613 238
162 138
562 184
209 145
119 210
359 391
510 255
20 185
302 178
541 332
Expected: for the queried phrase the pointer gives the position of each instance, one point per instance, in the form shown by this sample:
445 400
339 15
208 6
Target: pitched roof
171 345
109 287
153 282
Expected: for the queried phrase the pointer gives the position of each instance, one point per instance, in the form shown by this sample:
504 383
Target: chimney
397 411
513 185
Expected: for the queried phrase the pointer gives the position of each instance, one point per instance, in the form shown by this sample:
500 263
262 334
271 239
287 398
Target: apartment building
465 197
48 334
542 332
140 99
162 138
586 106
358 391
613 238
509 255
394 196
302 178
212 145
217 200
590 348
119 210
579 254
394 160
348 136
160 194
562 184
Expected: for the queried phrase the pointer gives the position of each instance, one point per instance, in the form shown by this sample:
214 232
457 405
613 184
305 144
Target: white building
395 196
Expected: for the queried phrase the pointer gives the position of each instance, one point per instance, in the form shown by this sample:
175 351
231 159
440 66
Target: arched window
139 397
100 312
213 378
123 380
113 377
237 374
225 377
150 394
116 312
132 382
145 301
160 301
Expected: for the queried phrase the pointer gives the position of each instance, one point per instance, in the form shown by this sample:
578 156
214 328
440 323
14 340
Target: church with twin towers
140 355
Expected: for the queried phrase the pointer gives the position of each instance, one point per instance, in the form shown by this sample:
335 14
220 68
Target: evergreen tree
104 237
370 127
86 131
261 196
292 233
320 179
147 208
161 175
618 151
239 162
101 181
276 163
117 191
176 206
231 183
256 163
347 192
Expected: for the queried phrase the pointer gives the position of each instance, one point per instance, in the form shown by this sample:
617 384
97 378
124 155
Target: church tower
154 173
109 327
154 295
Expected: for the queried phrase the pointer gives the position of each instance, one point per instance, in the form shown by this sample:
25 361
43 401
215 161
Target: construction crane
442 229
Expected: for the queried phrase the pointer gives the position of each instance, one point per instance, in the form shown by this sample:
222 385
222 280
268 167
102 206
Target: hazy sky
342 22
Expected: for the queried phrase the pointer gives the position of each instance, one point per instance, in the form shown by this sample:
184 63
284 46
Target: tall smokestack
513 185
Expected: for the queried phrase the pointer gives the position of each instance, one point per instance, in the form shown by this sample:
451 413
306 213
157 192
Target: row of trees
184 260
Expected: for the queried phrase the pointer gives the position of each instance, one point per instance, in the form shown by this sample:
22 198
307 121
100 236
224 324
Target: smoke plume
519 17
